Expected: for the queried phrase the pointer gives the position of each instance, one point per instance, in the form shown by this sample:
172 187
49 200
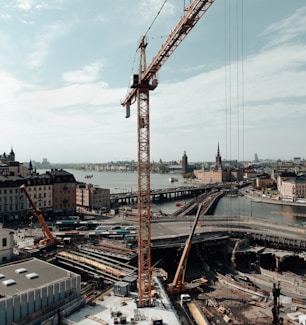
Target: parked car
231 276
82 228
244 278
115 227
101 228
130 228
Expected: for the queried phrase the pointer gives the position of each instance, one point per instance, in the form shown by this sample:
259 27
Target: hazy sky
238 79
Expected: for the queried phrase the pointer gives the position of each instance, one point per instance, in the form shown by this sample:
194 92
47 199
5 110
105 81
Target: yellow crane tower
141 84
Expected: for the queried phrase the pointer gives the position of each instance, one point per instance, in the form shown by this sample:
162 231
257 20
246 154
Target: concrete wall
25 304
6 245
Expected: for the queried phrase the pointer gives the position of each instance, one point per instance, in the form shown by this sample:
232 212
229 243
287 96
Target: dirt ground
223 304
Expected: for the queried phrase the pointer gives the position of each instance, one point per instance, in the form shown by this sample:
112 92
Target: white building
36 292
6 245
293 188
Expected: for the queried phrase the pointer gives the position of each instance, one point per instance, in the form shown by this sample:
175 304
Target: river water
241 205
120 182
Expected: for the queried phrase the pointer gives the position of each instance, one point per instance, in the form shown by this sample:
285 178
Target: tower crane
141 84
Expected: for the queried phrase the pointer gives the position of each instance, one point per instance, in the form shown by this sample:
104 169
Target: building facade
41 190
64 192
12 199
292 188
6 245
90 197
54 193
218 174
36 292
7 158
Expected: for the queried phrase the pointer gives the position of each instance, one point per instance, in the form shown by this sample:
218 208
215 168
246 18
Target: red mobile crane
142 83
178 284
48 237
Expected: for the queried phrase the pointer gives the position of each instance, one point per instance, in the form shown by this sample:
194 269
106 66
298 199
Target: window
4 242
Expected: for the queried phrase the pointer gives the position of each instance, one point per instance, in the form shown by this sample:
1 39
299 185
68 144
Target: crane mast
141 85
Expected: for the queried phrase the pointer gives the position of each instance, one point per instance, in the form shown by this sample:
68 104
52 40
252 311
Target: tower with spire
7 158
218 159
184 163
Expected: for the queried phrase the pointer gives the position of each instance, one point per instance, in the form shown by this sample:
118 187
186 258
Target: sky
238 80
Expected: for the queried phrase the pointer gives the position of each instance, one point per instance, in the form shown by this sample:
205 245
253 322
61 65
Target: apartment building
292 188
90 197
12 199
64 191
54 193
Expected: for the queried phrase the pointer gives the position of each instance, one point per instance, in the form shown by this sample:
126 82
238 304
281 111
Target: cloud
25 4
30 5
82 110
88 73
287 29
150 8
5 16
13 87
43 41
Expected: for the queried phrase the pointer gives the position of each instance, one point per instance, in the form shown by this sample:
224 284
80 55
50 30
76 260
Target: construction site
191 283
117 275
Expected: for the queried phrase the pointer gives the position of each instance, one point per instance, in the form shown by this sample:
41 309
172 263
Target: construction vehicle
48 239
178 284
141 84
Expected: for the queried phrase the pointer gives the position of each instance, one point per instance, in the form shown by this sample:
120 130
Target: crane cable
158 13
134 60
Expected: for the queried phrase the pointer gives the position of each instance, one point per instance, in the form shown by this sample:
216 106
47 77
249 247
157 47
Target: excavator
48 239
178 284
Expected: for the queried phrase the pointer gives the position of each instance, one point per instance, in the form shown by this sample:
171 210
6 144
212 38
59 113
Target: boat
180 204
88 176
172 179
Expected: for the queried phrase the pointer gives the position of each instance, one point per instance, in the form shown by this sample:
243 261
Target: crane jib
192 15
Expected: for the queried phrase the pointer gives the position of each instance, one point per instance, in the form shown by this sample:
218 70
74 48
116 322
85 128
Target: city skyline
65 67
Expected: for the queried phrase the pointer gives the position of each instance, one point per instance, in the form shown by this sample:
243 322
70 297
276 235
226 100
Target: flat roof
28 275
109 307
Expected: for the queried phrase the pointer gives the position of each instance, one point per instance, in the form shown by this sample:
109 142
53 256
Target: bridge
168 194
211 229
215 229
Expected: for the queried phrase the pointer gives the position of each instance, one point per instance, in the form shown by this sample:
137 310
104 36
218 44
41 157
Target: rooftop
110 308
29 274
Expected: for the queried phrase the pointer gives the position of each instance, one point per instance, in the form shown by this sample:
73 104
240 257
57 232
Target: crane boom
192 15
178 283
143 83
47 233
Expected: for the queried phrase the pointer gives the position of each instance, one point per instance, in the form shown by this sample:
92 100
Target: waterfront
241 205
122 182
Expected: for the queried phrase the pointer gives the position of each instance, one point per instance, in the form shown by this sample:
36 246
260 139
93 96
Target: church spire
218 159
30 165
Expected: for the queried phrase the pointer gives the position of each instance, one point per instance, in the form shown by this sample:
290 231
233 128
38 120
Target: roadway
214 227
